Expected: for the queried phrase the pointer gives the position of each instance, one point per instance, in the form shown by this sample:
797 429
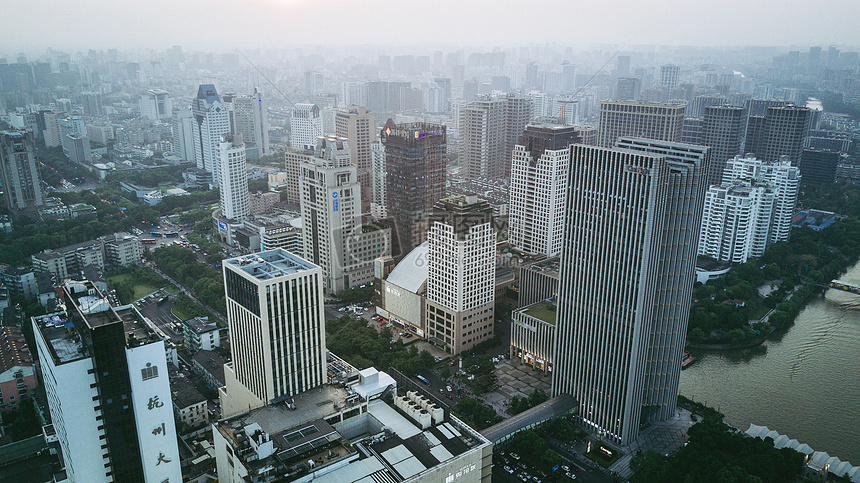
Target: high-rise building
670 76
156 105
305 125
722 131
519 111
818 166
22 184
628 88
251 120
700 103
52 129
780 133
461 263
105 374
415 178
92 103
211 120
293 160
648 120
358 126
183 135
781 176
276 321
483 137
622 66
234 177
77 148
333 235
379 200
532 76
538 187
627 272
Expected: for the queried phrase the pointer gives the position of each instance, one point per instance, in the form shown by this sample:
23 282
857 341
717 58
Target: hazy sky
32 25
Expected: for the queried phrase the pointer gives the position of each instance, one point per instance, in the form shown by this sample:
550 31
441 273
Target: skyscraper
648 120
251 120
234 177
305 125
722 131
461 263
358 126
211 120
415 178
627 271
332 231
628 88
519 111
483 138
379 199
780 133
22 185
105 374
183 135
276 323
538 187
818 166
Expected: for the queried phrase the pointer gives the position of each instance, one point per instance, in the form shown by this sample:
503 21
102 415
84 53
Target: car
448 388
515 456
408 335
509 469
402 334
565 468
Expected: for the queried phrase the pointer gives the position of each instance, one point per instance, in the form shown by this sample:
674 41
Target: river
804 383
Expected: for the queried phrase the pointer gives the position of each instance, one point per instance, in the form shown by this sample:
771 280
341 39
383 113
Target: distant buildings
305 125
277 330
156 105
415 178
461 265
211 120
183 135
628 264
119 249
818 166
106 377
251 121
647 120
22 186
723 132
489 128
750 210
670 76
358 126
778 133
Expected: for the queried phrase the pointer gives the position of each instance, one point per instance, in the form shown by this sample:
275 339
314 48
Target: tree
445 373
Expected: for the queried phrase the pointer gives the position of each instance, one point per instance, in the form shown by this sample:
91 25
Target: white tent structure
819 461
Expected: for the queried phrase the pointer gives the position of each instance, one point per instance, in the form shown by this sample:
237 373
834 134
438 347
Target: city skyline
162 24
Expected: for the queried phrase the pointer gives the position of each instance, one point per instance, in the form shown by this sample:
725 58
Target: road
189 293
162 316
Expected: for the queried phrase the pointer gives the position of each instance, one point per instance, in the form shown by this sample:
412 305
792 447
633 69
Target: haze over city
429 242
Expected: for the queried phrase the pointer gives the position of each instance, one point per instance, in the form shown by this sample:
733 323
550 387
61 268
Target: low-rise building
533 334
343 434
189 404
263 202
210 366
19 281
17 375
201 334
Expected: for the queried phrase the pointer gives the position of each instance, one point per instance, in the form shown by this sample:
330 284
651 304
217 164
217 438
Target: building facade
722 131
234 178
106 379
251 120
22 184
415 178
156 105
461 276
648 120
358 126
276 324
627 271
305 125
538 186
211 120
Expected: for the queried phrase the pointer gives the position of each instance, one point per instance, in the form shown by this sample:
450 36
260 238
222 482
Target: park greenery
520 404
362 346
55 166
182 265
150 177
185 309
481 368
24 420
476 414
722 308
355 295
715 453
133 282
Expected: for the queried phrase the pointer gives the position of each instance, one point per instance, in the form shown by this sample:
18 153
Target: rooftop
183 391
201 325
545 311
212 362
411 272
270 264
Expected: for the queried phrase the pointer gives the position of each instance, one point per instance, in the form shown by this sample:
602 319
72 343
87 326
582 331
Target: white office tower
538 187
379 202
251 120
306 125
276 322
183 135
156 105
461 263
105 375
333 235
627 272
234 177
211 120
482 138
750 210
